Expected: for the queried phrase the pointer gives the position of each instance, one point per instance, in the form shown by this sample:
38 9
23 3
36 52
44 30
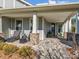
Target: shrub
2 44
26 51
9 49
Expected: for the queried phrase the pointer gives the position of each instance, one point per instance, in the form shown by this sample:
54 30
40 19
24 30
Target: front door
53 29
18 24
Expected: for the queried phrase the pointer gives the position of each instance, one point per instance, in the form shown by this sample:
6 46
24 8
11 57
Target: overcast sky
46 1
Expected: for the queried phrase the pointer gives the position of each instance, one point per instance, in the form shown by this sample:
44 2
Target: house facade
13 3
47 20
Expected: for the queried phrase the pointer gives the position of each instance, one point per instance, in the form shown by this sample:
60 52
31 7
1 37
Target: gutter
66 7
24 2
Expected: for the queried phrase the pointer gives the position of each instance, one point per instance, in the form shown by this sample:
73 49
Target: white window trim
30 19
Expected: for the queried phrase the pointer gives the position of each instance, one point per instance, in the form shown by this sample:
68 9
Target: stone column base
34 38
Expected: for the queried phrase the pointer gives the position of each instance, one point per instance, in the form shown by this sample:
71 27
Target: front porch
41 23
46 24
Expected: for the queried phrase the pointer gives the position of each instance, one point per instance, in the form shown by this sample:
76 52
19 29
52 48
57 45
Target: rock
51 49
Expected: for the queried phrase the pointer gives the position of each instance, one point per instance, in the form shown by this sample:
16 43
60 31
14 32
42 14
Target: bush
26 51
2 44
9 49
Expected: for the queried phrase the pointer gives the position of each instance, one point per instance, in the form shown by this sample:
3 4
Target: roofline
24 2
64 7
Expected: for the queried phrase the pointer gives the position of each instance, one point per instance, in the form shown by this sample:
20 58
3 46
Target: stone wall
34 38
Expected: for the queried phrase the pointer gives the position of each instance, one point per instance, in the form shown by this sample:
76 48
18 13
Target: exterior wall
10 26
56 29
1 3
77 24
46 27
19 4
26 24
70 25
39 27
6 22
74 23
12 23
66 26
9 3
0 24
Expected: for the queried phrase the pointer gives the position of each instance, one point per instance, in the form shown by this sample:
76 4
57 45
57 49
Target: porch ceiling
56 16
49 16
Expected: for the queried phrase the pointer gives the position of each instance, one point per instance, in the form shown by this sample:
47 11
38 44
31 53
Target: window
73 24
18 24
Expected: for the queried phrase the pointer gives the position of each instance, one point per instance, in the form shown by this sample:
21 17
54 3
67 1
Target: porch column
0 24
34 23
34 36
43 28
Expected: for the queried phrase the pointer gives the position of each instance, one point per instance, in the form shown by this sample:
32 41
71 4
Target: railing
27 32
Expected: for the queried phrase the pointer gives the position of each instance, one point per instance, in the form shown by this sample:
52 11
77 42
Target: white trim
14 3
34 23
42 28
0 24
29 23
18 19
3 3
15 24
76 23
26 2
22 25
11 23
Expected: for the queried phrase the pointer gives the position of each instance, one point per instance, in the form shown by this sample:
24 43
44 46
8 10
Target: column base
34 38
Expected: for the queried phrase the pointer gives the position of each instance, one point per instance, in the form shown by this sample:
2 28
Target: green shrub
2 44
26 51
9 49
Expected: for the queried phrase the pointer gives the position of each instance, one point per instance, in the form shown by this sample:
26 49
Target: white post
0 24
42 28
34 23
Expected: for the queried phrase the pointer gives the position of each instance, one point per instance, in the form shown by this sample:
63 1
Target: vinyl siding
46 27
9 3
26 23
1 3
6 22
19 4
13 23
39 23
77 24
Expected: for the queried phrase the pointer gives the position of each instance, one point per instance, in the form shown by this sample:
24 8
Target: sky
46 1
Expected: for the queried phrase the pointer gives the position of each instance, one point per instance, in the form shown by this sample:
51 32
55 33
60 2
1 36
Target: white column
34 23
70 26
0 24
63 28
42 28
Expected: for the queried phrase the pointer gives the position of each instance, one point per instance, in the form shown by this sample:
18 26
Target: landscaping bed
8 51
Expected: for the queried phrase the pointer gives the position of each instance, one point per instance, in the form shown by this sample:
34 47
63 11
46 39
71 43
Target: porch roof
52 13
